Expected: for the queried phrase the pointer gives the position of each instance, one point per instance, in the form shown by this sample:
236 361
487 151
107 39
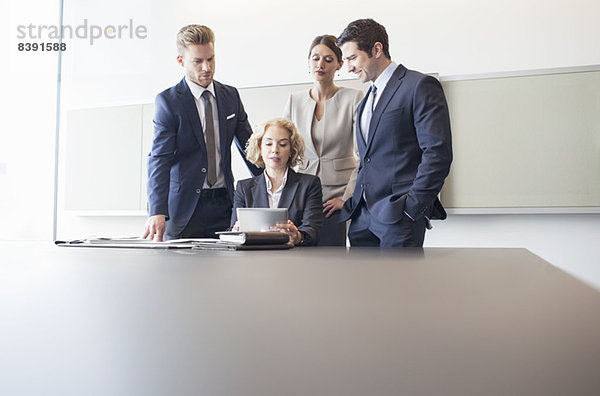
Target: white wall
569 241
264 42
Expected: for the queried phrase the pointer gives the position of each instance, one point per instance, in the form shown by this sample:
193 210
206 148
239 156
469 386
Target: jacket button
198 191
203 170
368 159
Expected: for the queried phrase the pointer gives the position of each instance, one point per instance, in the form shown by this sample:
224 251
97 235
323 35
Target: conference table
305 321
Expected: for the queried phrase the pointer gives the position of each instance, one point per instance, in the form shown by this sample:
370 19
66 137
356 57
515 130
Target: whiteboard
529 141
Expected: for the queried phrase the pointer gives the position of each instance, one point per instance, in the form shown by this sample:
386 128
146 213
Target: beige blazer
337 163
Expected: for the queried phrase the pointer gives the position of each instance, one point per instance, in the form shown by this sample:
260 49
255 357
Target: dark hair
365 32
329 41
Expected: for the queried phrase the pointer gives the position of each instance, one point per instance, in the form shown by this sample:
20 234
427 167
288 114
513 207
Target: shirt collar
270 185
197 90
385 76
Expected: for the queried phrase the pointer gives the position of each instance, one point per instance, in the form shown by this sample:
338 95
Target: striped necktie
209 135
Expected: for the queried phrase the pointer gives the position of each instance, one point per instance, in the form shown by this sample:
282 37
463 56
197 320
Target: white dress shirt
274 197
197 92
380 82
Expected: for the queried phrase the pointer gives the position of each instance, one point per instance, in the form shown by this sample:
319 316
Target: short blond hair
193 35
296 142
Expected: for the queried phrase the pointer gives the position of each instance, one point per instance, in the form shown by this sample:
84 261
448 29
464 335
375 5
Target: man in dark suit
190 183
404 141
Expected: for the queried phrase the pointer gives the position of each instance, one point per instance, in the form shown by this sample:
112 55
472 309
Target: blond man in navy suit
190 182
404 142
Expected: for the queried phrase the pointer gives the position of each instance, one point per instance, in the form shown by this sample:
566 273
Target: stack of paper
228 240
134 242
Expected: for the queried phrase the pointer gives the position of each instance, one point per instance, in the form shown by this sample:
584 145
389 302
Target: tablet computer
261 219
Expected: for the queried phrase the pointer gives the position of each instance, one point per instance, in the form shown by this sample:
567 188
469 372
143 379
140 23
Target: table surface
308 321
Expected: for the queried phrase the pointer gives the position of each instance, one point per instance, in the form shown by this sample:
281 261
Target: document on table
135 242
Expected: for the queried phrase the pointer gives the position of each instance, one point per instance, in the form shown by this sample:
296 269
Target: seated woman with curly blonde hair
277 147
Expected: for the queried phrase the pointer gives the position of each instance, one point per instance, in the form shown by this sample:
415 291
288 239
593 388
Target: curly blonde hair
296 142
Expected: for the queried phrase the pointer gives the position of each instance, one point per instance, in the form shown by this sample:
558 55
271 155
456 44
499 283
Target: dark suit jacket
177 163
302 196
408 150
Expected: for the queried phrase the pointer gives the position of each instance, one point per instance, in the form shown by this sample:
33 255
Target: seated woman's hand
236 226
292 231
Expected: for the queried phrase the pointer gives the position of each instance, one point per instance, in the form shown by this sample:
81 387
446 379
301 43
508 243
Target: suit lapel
222 111
309 108
259 192
388 93
189 105
359 112
289 191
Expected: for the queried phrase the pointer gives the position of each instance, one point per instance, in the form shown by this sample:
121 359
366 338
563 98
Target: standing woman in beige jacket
325 117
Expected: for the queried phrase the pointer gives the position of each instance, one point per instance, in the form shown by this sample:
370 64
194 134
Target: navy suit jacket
301 194
177 163
408 150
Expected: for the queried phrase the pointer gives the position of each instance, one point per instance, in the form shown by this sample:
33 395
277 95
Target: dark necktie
374 94
209 134
368 111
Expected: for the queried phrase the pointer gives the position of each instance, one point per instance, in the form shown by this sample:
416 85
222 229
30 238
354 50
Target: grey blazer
301 195
337 162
